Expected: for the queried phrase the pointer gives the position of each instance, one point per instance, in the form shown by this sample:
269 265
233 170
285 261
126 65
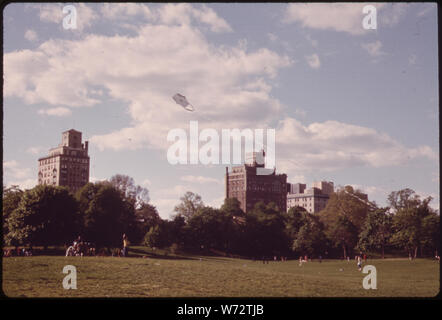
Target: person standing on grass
359 263
125 245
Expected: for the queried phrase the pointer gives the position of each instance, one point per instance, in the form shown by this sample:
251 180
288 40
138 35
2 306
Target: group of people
80 248
18 252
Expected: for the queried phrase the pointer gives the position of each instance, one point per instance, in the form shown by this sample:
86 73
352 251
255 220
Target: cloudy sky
349 105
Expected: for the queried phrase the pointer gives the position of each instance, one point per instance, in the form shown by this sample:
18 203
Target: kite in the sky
182 101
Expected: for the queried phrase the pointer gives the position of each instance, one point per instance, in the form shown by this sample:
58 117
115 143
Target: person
359 263
365 257
320 258
125 245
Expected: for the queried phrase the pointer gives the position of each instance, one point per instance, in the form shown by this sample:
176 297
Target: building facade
313 199
66 165
244 184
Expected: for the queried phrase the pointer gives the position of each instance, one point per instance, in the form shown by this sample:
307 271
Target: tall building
66 165
327 187
248 187
313 199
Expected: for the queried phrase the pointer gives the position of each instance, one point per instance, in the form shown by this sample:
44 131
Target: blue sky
349 105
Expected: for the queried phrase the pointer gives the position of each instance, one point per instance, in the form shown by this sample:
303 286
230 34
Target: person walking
359 263
125 245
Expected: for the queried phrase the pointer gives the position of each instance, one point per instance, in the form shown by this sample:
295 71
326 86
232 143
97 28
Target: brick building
67 164
249 188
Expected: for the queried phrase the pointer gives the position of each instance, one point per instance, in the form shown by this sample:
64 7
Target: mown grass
194 276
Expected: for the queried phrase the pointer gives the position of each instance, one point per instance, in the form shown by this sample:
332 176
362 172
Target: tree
294 220
376 231
105 214
135 193
232 206
343 233
45 215
403 199
145 217
211 228
11 199
158 236
344 216
310 237
414 222
190 204
264 230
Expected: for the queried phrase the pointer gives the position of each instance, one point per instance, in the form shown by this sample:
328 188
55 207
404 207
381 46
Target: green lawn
188 276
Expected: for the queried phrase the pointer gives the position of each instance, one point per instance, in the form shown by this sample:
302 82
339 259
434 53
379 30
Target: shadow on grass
137 253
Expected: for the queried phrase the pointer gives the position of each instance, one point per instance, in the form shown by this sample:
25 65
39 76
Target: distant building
327 187
297 188
66 165
313 199
244 184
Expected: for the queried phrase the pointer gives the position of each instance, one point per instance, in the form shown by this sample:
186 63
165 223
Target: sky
350 105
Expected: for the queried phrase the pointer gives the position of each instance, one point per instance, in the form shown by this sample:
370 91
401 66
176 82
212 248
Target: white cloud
124 10
313 61
200 179
12 169
183 13
374 49
31 35
14 174
333 145
341 17
94 179
58 112
225 84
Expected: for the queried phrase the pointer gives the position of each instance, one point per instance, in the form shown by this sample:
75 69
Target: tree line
101 212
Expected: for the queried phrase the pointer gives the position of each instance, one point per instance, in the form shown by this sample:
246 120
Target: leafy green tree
343 233
105 213
294 220
45 215
344 217
403 199
377 230
145 217
211 229
265 231
190 204
136 194
10 201
349 203
414 222
431 236
232 206
310 238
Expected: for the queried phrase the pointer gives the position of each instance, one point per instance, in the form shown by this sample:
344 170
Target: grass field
188 276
